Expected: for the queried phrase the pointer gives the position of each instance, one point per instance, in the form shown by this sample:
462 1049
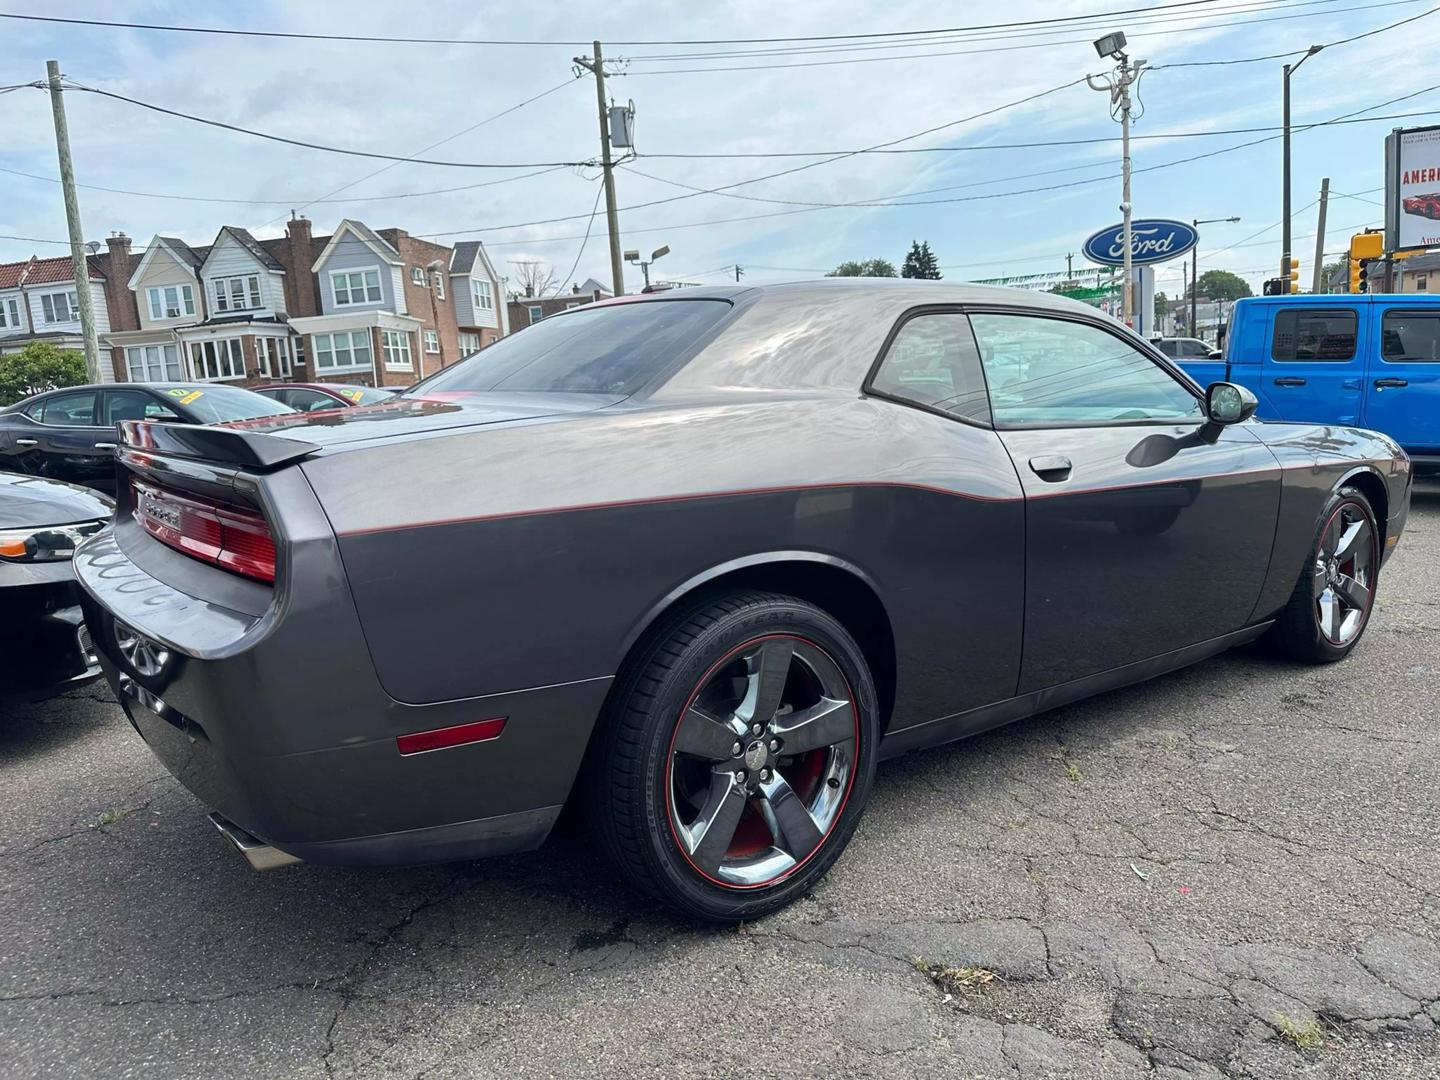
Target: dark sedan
69 434
701 559
46 648
313 397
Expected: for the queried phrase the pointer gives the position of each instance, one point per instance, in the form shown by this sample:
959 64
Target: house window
9 314
469 343
439 285
1420 283
335 352
222 359
273 356
432 341
536 313
482 294
356 287
60 306
154 363
236 293
397 349
171 301
417 276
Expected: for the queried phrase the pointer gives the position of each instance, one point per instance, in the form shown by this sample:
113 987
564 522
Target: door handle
1051 468
104 446
1381 384
1290 380
26 442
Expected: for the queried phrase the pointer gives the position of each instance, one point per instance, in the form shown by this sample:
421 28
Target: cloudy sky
978 207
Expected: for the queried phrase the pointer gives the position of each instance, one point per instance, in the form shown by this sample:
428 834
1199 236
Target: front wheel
1330 608
736 756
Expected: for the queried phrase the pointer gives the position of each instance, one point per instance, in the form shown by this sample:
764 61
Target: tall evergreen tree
920 263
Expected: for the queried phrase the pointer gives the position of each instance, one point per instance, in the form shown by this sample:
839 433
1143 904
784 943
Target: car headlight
49 544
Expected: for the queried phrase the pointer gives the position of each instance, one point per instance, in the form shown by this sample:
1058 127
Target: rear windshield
209 404
608 348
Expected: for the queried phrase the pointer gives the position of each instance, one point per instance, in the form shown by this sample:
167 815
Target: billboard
1152 240
1412 188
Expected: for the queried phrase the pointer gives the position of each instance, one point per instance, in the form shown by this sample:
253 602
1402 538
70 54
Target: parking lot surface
1230 871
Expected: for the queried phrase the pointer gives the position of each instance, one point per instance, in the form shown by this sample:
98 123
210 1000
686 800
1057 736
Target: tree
866 268
1337 270
920 263
39 366
534 278
1162 305
1221 285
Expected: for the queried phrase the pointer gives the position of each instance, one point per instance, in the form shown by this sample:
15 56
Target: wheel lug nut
764 774
755 729
774 744
740 776
736 750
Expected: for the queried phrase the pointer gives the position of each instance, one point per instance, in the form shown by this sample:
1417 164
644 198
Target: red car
311 397
1427 206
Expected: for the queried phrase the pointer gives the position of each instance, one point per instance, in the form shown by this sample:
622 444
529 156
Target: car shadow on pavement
28 727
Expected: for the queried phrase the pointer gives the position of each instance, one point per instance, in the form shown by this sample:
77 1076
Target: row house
378 307
38 302
527 310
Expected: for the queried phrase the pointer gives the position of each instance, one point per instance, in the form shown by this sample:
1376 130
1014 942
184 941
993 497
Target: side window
133 405
1168 346
310 401
933 362
70 410
1055 371
1314 334
1410 337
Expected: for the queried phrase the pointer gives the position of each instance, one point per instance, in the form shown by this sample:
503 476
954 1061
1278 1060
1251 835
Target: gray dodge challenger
695 562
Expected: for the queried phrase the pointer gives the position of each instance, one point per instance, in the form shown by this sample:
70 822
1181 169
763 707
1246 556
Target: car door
131 404
1402 387
307 400
1147 529
69 441
1314 369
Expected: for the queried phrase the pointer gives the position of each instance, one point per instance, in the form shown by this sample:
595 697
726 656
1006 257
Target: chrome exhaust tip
260 855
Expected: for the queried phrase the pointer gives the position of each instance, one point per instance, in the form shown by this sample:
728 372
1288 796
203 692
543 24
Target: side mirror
1215 354
1228 403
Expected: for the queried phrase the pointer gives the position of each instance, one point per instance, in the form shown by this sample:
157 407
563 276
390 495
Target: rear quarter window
1303 334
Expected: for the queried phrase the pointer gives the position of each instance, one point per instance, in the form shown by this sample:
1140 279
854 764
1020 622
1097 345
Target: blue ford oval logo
1152 240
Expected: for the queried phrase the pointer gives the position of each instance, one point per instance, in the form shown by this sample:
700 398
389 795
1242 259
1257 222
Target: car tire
720 836
1326 616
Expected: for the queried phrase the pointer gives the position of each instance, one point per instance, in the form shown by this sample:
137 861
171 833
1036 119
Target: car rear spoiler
249 449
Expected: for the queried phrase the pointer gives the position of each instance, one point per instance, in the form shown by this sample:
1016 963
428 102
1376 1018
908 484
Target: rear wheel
1330 608
737 756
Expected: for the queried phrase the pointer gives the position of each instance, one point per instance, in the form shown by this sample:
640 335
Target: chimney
124 314
300 289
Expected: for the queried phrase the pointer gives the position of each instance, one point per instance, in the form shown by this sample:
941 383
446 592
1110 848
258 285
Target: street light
658 253
1195 264
1285 163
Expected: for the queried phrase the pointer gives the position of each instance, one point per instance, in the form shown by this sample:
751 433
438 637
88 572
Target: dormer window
236 293
484 297
439 285
60 307
171 301
350 287
417 276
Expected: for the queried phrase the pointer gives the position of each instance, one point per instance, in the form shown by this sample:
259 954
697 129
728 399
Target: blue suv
1362 360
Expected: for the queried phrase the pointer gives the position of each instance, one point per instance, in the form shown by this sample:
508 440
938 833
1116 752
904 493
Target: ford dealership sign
1152 240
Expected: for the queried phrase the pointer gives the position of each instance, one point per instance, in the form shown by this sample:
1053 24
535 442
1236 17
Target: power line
599 190
33 240
1016 48
1278 56
397 158
393 40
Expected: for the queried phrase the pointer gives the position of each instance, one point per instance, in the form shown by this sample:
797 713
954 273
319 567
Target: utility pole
1285 252
739 270
1317 284
1190 329
596 67
72 221
1117 85
1195 224
1069 266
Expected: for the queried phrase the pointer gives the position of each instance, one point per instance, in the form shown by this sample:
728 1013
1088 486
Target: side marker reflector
439 738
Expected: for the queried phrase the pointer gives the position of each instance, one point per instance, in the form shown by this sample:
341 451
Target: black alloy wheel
737 755
1332 601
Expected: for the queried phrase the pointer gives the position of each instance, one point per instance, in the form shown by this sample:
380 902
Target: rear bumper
278 721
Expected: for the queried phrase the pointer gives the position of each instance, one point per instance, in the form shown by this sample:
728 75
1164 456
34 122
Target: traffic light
1293 284
1273 287
1364 247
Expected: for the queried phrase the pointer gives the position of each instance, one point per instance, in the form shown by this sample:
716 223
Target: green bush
36 367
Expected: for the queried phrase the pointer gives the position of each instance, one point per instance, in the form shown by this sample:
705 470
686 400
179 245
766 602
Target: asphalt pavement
1230 871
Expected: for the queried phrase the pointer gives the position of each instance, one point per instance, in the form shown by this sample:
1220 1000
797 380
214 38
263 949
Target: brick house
378 307
525 310
38 302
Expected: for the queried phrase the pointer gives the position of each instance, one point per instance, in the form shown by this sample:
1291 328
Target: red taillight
238 540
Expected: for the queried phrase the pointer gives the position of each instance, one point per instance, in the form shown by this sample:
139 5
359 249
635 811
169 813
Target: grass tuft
956 981
1302 1034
